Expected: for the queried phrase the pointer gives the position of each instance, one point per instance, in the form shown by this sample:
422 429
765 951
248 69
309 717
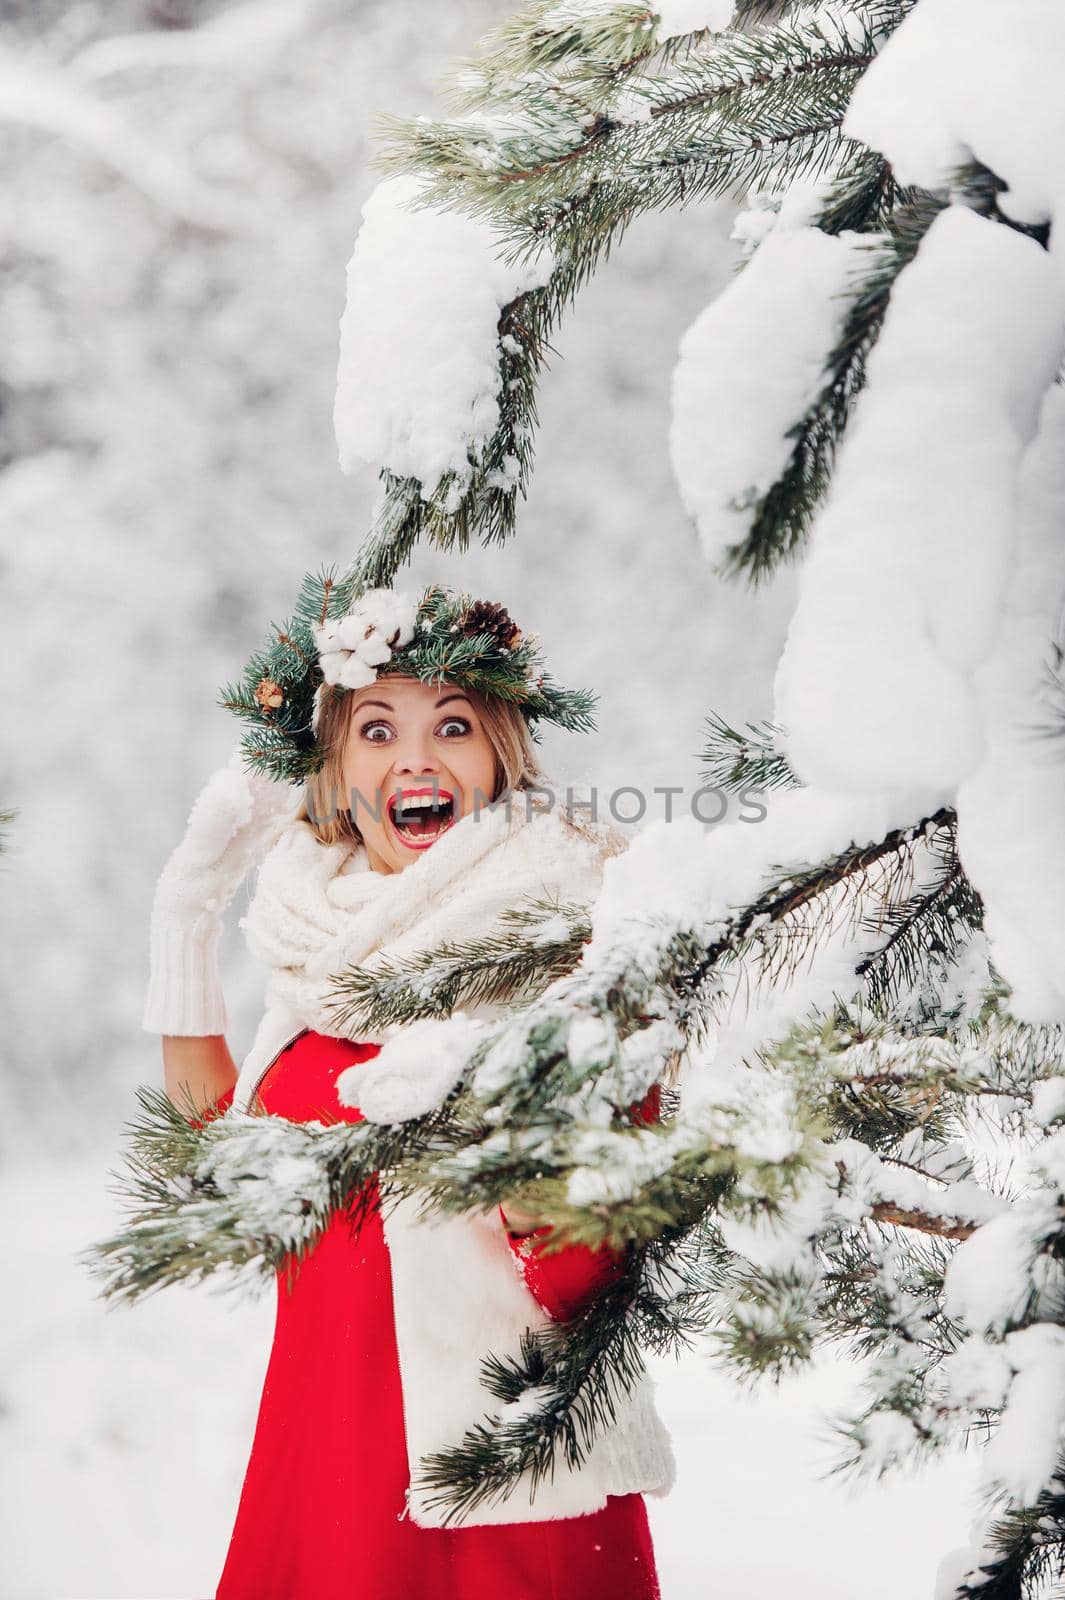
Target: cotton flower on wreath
350 650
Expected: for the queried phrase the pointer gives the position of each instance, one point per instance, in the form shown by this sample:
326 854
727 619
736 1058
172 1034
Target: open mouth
420 816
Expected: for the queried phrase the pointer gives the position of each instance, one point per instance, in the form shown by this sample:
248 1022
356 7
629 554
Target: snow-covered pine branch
418 384
582 119
531 944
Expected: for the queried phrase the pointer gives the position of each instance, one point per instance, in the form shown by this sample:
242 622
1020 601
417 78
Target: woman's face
413 742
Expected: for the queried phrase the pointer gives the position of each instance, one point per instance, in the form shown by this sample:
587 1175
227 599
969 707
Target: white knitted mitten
234 821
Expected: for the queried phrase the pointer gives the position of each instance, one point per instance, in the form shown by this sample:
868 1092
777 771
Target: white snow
770 210
750 365
679 874
779 1242
963 1565
774 1133
676 17
871 1178
618 1164
977 1374
925 101
418 374
553 930
989 1278
1045 1164
591 1041
1024 1452
1048 1101
242 39
887 1436
999 1276
1010 834
270 1169
901 591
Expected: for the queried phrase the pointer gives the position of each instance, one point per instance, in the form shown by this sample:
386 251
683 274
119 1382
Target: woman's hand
235 819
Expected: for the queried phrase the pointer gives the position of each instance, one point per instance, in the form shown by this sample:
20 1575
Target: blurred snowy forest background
183 182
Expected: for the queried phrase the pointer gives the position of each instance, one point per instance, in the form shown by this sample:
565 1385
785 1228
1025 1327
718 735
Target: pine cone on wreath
486 616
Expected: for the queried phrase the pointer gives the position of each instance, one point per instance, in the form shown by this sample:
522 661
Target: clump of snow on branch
750 366
840 1186
418 375
1003 1287
1023 1455
901 592
1048 1101
612 1166
963 1566
689 876
591 1041
1010 836
989 1280
887 1436
924 102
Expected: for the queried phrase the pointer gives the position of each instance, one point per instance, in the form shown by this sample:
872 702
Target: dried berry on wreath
269 694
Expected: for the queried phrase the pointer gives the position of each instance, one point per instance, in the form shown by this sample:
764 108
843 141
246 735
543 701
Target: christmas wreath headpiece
340 639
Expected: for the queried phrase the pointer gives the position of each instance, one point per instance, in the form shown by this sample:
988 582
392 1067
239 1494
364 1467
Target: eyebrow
441 702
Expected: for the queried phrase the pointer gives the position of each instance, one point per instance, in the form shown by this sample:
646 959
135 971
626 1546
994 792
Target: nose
415 756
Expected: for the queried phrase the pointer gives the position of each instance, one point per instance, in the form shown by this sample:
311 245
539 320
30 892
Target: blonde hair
505 728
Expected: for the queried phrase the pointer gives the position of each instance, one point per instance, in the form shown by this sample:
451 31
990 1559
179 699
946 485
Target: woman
396 847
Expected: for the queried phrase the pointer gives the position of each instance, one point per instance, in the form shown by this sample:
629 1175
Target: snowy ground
127 1432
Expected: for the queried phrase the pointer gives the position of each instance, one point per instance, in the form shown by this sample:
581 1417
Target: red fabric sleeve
564 1281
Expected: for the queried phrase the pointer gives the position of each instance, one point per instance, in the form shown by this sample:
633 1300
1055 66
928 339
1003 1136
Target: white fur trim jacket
457 1287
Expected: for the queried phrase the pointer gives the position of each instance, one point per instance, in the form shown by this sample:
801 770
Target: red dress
321 1513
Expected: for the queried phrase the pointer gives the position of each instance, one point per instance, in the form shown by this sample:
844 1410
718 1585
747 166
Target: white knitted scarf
319 910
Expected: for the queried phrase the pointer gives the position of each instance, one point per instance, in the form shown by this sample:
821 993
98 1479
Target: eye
368 728
455 722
